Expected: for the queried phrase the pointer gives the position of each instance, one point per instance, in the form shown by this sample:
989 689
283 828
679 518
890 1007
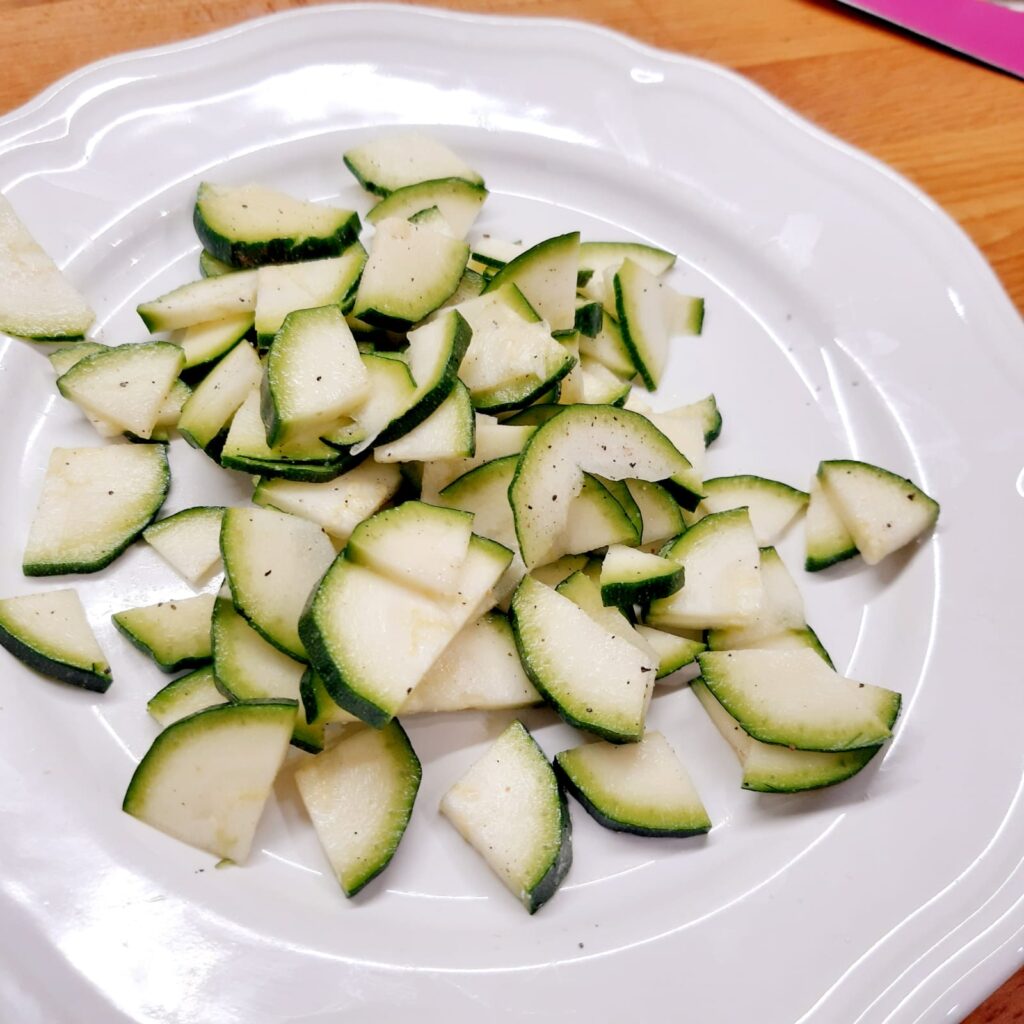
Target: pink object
986 29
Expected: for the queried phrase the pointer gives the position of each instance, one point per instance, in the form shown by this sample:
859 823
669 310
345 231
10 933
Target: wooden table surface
953 126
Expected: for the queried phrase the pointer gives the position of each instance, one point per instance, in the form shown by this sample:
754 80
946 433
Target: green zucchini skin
98 680
555 874
241 255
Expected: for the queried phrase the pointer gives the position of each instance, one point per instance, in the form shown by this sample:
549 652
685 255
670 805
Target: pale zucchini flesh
218 397
456 201
546 275
405 158
199 302
826 538
185 696
772 505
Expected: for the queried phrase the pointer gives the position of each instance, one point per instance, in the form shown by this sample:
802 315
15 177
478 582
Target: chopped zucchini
631 577
36 299
723 580
509 806
206 778
206 343
125 385
314 375
478 670
50 633
249 225
359 794
211 298
418 545
792 698
210 266
372 640
411 270
659 511
215 401
189 541
64 358
395 161
456 200
338 506
674 652
640 308
827 539
94 503
883 512
772 505
546 275
175 634
449 432
600 439
641 788
597 681
294 286
185 696
769 768
272 562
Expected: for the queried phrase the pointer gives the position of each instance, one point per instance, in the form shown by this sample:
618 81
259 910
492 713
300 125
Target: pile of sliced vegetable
459 504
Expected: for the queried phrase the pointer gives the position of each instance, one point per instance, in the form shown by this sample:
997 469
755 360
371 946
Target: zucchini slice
768 768
394 161
597 681
546 275
215 401
597 257
684 314
249 225
599 386
245 665
449 432
337 506
410 271
64 358
492 441
512 357
211 298
293 286
781 612
792 698
826 538
641 788
609 348
418 545
659 511
188 541
883 512
372 640
552 574
94 503
479 670
456 201
674 652
631 577
272 562
772 505
359 794
50 633
435 352
206 343
210 266
723 581
125 385
313 376
36 299
185 696
510 807
175 634
640 308
599 439
318 704
206 778
585 593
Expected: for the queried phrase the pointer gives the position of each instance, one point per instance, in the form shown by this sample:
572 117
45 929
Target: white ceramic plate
846 316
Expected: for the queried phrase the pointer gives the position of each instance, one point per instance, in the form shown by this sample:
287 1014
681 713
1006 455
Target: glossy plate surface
847 315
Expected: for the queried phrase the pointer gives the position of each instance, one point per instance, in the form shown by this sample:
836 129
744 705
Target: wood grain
953 126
